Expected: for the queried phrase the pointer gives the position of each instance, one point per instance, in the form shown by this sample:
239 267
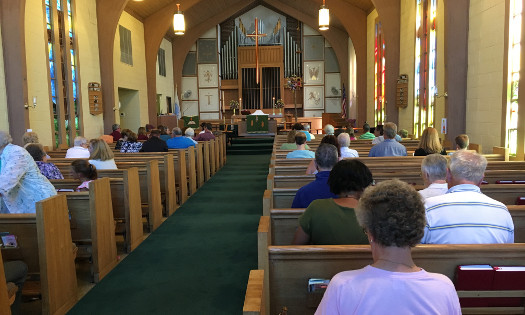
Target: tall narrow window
425 85
379 75
126 50
63 71
514 57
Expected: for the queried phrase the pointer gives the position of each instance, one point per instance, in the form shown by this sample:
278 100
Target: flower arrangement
234 104
294 82
279 103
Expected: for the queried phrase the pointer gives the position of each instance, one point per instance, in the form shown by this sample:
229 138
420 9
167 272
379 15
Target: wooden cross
256 35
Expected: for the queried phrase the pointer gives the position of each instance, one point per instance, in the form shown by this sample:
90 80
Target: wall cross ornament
256 34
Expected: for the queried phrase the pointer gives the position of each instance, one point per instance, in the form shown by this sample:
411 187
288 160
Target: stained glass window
63 70
514 52
425 83
379 75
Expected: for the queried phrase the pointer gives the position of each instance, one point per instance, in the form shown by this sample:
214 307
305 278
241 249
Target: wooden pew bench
290 267
45 245
125 197
93 227
411 177
280 228
280 198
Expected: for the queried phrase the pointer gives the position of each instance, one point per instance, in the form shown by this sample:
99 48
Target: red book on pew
474 278
508 278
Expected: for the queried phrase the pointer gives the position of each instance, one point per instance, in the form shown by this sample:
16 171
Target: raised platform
251 144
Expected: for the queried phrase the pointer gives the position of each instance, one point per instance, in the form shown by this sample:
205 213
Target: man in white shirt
464 215
80 150
434 173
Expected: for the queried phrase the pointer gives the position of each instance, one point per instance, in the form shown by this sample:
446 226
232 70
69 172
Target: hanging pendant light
178 22
324 18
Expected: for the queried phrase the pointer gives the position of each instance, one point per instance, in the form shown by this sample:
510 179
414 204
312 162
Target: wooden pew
254 299
206 160
199 163
280 198
282 223
150 190
5 299
290 267
411 177
45 245
191 170
125 197
298 166
93 226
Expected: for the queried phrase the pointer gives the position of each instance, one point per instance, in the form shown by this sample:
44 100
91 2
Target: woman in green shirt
290 142
333 221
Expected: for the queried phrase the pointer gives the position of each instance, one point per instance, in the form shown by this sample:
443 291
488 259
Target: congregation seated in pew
79 150
300 152
290 142
367 135
154 143
434 174
21 183
429 143
333 221
190 133
116 132
389 147
48 169
206 134
16 272
325 159
328 139
464 215
142 134
393 216
85 172
177 141
344 143
129 143
101 155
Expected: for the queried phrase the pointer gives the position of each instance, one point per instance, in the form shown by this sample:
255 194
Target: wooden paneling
269 56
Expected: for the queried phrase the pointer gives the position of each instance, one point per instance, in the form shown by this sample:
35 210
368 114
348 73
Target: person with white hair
344 146
329 129
21 183
434 173
464 215
79 150
190 133
389 147
307 129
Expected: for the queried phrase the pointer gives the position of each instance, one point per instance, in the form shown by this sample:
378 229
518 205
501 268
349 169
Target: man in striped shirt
464 215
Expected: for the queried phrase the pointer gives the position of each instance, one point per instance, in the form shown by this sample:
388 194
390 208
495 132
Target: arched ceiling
200 10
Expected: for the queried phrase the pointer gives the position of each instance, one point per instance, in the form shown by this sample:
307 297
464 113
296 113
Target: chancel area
162 156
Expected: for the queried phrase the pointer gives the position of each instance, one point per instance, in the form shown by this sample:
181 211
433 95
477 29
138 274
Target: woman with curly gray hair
21 183
393 217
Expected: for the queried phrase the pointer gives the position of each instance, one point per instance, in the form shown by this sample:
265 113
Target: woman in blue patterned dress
21 183
49 170
130 144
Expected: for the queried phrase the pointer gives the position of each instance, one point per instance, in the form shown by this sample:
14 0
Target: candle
223 102
240 103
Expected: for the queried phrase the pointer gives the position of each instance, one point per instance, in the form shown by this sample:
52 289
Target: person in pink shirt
393 217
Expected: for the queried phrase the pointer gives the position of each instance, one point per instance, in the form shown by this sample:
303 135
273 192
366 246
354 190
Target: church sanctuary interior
207 228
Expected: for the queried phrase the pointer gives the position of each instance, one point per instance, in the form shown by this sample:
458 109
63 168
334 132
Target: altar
242 122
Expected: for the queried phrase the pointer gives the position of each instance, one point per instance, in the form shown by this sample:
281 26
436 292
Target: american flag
343 103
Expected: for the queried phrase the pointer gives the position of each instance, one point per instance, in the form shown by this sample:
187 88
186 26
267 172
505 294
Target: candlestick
223 102
240 104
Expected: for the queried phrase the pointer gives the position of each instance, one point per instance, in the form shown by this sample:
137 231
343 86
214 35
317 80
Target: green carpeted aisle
197 261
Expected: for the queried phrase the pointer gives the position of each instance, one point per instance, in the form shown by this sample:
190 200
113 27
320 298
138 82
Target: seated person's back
393 217
333 221
325 159
301 152
389 147
154 143
464 215
178 141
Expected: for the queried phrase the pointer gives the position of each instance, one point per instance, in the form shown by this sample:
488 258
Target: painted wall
165 85
370 38
87 36
406 60
4 123
37 72
132 77
485 73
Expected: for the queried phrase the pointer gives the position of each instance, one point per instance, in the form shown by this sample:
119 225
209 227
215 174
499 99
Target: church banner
191 121
257 123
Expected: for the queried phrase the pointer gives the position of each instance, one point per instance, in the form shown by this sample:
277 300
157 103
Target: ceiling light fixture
324 17
178 22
